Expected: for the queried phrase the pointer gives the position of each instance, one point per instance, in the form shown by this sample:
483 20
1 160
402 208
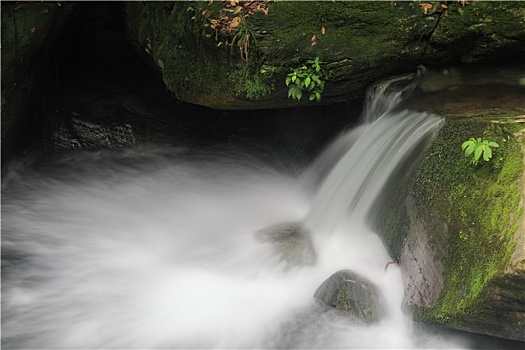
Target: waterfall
361 161
156 248
354 184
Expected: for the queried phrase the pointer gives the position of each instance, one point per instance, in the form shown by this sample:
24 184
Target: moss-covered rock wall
205 62
463 254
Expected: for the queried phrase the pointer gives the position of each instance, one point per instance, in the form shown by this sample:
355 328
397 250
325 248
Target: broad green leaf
487 153
477 153
470 149
493 144
299 94
312 97
466 144
307 81
288 81
318 96
311 86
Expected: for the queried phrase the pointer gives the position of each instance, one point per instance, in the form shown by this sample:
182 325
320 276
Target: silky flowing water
155 247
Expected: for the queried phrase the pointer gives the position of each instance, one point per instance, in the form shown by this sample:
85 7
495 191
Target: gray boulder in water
351 295
291 242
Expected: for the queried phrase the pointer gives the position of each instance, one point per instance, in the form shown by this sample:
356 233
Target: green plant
308 77
243 38
250 82
477 147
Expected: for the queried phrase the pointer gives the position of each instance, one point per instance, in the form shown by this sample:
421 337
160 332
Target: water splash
152 249
156 248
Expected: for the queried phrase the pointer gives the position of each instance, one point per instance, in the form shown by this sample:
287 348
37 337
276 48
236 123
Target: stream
155 247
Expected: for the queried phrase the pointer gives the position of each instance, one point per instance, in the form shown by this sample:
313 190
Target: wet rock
291 242
363 42
464 267
351 295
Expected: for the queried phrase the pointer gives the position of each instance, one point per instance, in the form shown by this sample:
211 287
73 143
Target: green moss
365 32
479 21
362 41
480 206
179 44
249 84
181 40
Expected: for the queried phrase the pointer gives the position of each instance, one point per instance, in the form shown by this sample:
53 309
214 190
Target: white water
155 249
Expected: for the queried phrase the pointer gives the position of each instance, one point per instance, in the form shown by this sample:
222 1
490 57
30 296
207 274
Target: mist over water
151 249
155 248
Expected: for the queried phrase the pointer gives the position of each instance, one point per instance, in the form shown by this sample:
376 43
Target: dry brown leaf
234 23
263 9
323 30
237 10
463 2
444 6
20 6
32 30
44 10
234 2
426 7
314 40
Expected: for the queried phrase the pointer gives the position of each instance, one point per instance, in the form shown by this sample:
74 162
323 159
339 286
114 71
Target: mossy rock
359 42
351 295
463 254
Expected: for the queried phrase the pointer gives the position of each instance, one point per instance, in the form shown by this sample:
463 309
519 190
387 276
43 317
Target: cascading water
156 249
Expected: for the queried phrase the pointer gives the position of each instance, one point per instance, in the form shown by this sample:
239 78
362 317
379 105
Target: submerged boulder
291 242
351 295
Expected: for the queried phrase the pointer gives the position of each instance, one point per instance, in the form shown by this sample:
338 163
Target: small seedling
478 147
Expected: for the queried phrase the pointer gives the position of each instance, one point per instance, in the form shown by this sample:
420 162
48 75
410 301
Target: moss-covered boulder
350 295
457 228
460 233
236 55
29 33
464 254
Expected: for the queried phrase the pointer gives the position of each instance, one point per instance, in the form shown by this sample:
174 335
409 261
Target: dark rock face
29 36
291 242
359 42
351 295
503 308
